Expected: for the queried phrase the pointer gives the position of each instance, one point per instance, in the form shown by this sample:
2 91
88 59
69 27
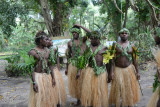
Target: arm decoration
97 70
125 51
45 66
156 83
53 56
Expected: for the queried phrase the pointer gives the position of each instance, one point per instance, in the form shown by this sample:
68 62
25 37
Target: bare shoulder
70 43
32 52
104 48
132 44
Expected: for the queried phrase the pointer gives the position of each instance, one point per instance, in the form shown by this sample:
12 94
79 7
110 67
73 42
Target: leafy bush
145 42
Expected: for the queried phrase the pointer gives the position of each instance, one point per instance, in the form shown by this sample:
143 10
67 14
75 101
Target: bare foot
78 103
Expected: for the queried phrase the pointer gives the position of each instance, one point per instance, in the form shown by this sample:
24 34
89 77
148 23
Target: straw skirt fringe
47 94
154 99
124 87
75 85
94 89
60 87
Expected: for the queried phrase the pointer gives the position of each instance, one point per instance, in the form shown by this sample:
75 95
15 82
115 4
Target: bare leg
58 105
78 103
158 103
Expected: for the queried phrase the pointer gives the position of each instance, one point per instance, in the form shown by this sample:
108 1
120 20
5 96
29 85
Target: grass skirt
154 99
60 87
124 87
94 89
47 94
74 85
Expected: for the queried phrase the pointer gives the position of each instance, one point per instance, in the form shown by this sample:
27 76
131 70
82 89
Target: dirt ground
14 92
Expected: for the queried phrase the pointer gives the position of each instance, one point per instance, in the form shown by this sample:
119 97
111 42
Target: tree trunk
47 16
126 11
57 21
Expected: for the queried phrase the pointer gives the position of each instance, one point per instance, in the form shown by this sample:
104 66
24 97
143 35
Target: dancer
94 86
124 73
43 92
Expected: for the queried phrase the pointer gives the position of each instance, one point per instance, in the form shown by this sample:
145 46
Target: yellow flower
107 57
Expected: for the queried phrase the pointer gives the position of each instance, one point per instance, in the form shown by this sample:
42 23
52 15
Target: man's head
95 38
124 33
41 38
75 32
49 42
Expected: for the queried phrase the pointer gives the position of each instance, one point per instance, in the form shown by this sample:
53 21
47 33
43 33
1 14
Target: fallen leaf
150 86
1 97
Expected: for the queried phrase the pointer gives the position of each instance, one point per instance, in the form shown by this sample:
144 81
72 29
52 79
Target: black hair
40 35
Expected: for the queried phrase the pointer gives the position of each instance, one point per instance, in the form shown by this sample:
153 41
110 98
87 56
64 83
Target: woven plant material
94 89
124 87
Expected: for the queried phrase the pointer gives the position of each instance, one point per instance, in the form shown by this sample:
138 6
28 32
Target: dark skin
95 42
83 47
157 40
49 45
38 65
123 61
77 42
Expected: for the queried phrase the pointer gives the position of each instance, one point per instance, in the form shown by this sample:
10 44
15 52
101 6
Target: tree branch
151 4
106 6
126 11
115 4
153 10
133 6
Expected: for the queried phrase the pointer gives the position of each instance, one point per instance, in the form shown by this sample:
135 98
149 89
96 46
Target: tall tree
55 13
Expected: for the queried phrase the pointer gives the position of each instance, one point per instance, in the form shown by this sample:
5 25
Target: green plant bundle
125 51
53 56
28 65
98 70
83 60
156 83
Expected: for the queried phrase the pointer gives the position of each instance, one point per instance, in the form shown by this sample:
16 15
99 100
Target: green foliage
156 83
144 43
20 64
8 14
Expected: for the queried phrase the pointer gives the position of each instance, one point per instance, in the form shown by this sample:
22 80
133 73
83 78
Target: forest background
21 19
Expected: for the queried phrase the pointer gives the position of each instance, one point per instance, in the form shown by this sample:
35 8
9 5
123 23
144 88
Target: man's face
75 35
49 42
94 41
44 41
124 36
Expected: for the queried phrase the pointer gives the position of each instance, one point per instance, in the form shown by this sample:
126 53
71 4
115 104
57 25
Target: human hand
66 72
76 25
137 76
53 82
110 77
35 87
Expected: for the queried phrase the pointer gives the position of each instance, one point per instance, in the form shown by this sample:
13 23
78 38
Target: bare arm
68 55
34 54
58 63
135 63
35 85
110 69
52 75
85 29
